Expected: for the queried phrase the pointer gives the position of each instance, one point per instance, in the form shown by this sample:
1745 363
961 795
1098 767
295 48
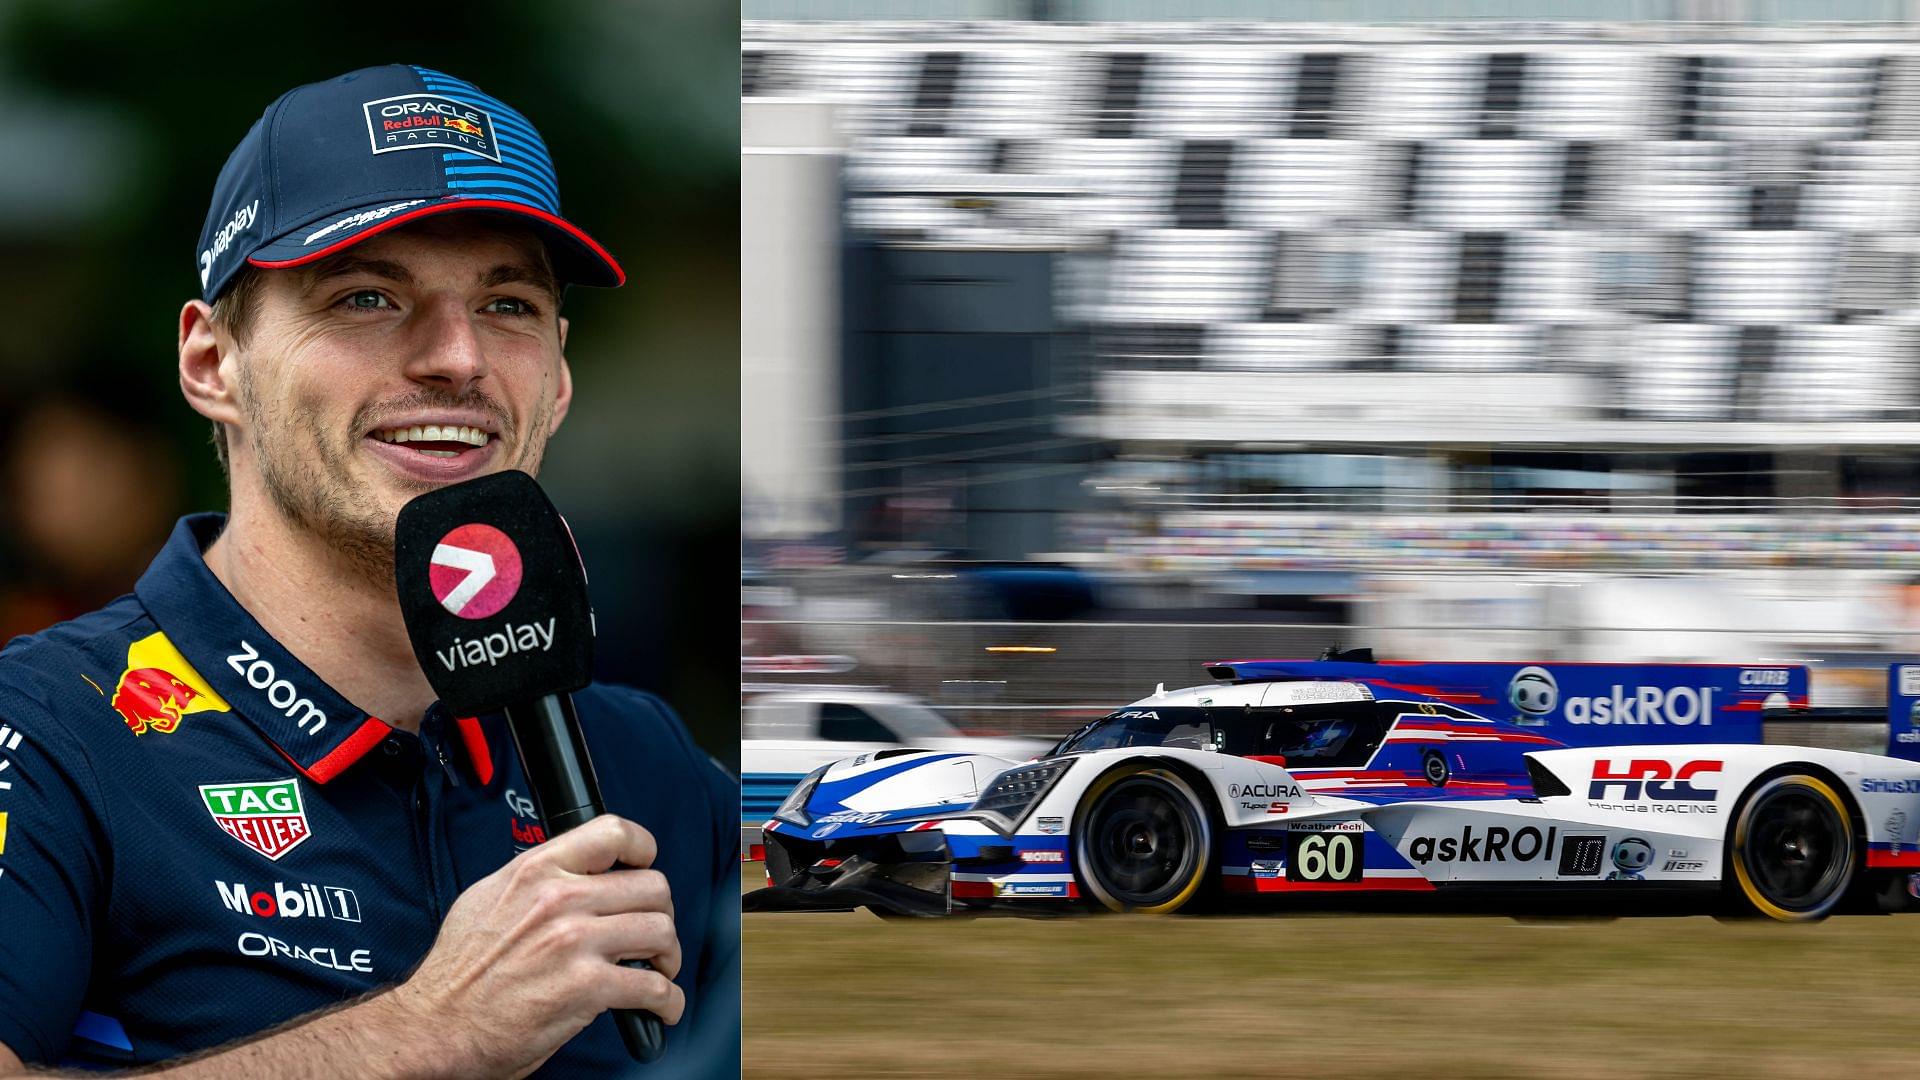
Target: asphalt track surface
1397 987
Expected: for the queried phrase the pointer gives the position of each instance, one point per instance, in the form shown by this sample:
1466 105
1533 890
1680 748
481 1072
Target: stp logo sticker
475 571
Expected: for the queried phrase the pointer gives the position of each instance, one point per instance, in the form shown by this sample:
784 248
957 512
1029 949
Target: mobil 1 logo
298 901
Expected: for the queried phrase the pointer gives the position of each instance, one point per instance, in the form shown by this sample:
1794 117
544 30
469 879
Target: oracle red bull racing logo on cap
475 571
429 121
159 688
265 815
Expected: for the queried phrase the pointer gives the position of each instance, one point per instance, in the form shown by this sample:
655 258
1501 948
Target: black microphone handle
546 732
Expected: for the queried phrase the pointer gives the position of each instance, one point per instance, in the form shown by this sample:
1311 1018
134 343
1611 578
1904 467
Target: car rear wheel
1793 848
1143 840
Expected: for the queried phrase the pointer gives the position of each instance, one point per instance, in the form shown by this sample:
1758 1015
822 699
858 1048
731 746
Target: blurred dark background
115 117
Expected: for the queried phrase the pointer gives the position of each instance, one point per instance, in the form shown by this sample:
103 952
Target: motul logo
1653 778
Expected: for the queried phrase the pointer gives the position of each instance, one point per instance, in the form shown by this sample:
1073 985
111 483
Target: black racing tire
1434 764
1142 840
1792 851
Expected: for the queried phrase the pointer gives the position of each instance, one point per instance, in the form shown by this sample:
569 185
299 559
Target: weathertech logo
475 571
265 815
159 687
427 121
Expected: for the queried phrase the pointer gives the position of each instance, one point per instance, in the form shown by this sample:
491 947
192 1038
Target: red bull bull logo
159 688
466 127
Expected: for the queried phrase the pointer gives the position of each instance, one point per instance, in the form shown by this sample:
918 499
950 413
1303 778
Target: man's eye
508 305
366 300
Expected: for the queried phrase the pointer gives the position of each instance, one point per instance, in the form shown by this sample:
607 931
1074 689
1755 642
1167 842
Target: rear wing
1577 704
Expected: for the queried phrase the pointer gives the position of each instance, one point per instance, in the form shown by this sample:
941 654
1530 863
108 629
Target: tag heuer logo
265 815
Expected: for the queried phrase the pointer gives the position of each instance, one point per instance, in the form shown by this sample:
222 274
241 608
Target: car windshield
1315 735
1189 728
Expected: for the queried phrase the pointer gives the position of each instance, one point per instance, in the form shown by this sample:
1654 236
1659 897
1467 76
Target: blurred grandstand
1562 338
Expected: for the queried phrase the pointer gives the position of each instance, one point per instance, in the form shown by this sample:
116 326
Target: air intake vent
1545 784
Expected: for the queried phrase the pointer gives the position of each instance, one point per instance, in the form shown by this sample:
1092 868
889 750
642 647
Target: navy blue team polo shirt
199 839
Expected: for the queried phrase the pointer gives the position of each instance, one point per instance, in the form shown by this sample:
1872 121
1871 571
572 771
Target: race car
1279 785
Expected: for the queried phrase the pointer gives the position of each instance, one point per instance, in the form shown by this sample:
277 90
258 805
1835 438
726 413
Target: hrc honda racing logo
1655 785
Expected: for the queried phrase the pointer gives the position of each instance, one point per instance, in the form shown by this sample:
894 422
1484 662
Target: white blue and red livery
1284 778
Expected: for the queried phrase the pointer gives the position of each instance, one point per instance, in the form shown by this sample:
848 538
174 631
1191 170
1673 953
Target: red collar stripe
350 750
477 751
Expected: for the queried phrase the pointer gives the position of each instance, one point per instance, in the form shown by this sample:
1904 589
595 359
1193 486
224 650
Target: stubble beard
311 484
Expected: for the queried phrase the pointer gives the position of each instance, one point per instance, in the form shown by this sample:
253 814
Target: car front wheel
1143 840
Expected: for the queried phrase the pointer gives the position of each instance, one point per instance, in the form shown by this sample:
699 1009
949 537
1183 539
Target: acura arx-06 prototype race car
1317 785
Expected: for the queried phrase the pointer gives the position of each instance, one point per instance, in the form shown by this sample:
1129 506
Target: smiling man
236 828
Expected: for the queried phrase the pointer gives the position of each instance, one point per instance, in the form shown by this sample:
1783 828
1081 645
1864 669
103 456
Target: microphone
495 602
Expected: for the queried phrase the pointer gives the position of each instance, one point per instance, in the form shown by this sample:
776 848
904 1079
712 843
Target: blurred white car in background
787 734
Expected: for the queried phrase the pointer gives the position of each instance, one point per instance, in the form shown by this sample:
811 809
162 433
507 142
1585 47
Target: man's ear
563 396
206 371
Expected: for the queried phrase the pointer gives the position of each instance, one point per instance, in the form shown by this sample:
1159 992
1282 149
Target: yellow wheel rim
1200 863
1745 877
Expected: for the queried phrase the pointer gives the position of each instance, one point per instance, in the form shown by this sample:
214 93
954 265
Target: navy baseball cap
332 163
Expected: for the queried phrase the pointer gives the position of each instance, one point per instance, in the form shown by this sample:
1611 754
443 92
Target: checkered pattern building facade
1719 230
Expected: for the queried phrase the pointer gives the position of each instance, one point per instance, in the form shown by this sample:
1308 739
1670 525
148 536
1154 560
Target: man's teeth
434 433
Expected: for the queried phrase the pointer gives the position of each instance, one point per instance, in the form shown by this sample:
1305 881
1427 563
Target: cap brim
578 259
